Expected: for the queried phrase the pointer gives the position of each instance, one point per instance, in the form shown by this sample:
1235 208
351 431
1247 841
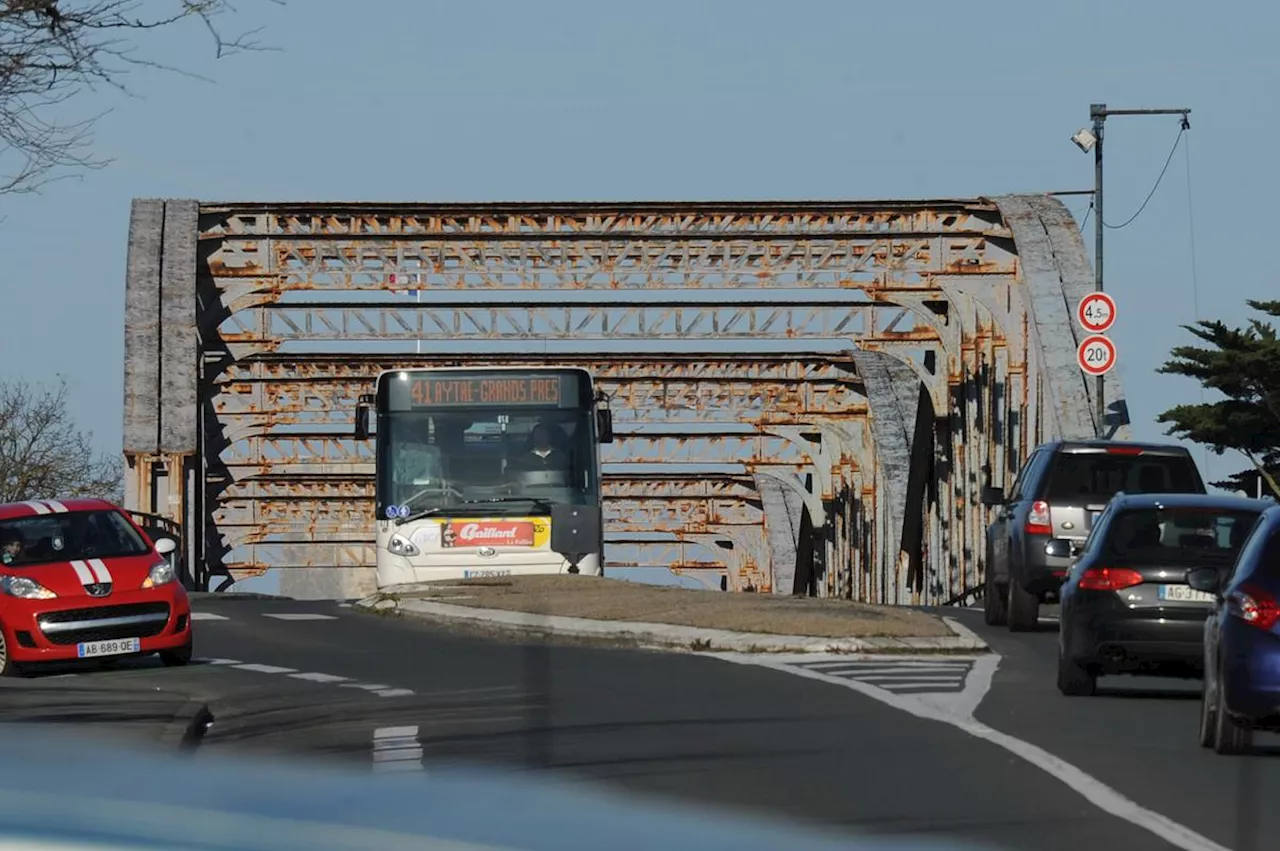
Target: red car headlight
25 588
161 574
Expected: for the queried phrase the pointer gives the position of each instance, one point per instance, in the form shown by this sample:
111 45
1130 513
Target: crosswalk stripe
301 616
900 676
319 678
396 749
266 669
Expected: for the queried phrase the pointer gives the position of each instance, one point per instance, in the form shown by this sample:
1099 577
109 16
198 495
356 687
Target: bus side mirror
604 424
362 421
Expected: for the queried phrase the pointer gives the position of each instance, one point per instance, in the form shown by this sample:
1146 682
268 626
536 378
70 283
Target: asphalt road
301 680
1138 735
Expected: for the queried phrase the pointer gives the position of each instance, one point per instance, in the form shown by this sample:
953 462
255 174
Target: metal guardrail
157 526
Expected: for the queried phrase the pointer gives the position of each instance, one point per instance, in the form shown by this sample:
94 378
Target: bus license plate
1184 594
484 574
114 647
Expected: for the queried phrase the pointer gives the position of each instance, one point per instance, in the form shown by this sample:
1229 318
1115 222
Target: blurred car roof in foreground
72 793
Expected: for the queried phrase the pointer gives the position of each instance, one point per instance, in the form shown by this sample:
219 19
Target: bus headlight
401 546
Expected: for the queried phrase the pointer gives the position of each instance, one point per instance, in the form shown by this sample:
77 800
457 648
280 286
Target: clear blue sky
420 100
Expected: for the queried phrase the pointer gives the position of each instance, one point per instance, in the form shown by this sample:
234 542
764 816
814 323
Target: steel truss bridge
808 397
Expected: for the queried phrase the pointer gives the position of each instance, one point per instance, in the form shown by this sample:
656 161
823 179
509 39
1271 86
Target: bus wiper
418 515
539 502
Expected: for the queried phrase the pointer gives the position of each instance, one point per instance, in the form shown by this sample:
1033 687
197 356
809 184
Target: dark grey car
1126 605
1058 494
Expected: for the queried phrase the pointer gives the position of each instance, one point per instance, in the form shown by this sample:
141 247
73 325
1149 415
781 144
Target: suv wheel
995 609
1024 608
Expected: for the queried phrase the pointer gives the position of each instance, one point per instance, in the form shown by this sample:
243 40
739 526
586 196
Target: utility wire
1084 221
1195 277
1182 132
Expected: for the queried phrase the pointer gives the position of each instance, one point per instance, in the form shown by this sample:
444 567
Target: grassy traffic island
604 599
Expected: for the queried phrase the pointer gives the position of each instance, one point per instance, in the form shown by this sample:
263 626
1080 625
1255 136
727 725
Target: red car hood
70 578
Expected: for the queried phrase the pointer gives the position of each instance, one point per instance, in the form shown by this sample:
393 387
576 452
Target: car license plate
1184 594
114 647
484 574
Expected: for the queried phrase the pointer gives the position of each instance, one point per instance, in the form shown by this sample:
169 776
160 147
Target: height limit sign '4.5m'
1096 313
1096 355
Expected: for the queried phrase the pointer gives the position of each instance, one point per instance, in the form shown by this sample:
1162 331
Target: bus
486 472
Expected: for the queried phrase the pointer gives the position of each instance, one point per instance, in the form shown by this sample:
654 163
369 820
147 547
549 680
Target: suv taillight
1109 579
1253 606
1038 519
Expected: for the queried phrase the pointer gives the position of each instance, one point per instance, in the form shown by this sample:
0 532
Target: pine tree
1243 365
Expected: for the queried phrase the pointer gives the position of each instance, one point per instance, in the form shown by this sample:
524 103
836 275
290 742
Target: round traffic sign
1096 312
1096 355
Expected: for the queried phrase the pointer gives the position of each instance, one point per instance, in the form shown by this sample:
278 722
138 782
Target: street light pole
1099 113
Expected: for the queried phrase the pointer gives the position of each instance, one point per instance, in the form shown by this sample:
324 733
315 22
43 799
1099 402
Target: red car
80 580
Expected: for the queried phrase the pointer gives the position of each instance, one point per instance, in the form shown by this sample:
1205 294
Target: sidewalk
635 614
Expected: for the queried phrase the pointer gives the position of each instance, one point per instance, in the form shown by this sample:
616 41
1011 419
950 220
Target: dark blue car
1241 691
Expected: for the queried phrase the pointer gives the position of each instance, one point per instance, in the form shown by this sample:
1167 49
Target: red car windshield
72 536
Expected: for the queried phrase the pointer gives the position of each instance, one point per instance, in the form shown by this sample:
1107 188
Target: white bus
486 471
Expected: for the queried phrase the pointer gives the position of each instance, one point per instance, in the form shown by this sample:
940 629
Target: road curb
234 595
672 637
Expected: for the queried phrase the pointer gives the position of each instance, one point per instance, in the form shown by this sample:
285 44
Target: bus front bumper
399 570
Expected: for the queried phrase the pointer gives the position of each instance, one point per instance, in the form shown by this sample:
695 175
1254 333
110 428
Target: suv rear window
1095 477
1182 535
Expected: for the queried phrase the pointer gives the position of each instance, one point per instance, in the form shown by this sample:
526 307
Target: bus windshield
490 458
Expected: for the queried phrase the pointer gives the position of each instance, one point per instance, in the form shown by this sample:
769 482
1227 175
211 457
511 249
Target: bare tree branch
53 50
42 453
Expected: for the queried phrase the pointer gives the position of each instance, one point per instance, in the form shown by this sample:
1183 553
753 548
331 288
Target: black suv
1058 494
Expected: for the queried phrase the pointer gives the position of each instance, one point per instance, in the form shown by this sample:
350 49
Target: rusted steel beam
321 369
329 455
262 405
564 220
773 261
692 515
673 487
264 327
343 488
302 520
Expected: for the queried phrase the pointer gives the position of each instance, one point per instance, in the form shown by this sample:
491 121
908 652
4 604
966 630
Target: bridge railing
157 526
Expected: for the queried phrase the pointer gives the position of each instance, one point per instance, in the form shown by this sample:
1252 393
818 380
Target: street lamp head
1085 139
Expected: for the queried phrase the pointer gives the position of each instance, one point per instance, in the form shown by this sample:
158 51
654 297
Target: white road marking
302 616
396 749
208 616
266 669
904 676
959 713
310 676
320 678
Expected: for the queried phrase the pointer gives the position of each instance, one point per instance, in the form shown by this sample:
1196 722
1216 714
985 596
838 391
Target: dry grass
613 599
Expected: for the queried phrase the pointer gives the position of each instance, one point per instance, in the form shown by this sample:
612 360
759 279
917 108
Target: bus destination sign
452 391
